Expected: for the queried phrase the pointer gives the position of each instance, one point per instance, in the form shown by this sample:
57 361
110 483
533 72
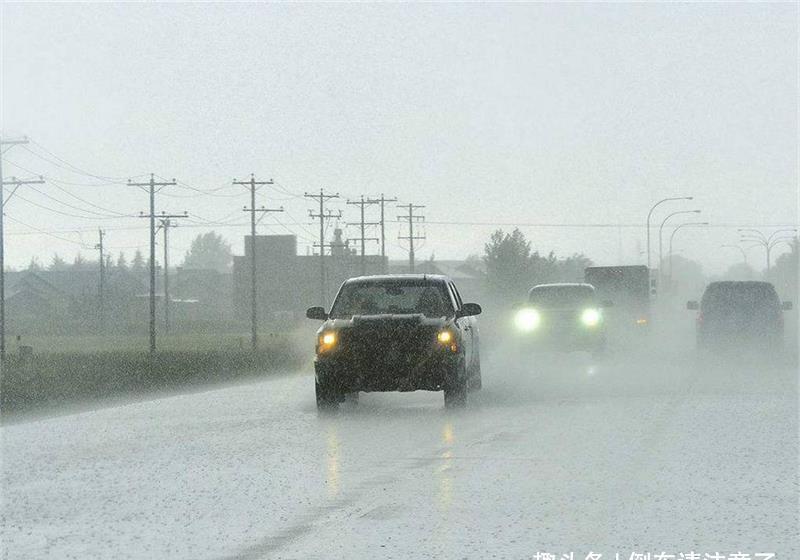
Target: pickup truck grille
380 346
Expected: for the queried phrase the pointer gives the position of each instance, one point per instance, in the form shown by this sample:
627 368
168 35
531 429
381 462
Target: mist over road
641 452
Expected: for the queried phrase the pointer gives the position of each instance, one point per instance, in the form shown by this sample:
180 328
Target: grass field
115 343
67 369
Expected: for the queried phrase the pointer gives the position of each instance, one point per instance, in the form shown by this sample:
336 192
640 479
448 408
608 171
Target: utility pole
382 201
252 184
411 218
102 288
16 183
363 239
152 184
322 215
165 224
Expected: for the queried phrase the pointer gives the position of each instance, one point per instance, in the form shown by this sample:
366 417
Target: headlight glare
527 319
590 317
327 341
447 339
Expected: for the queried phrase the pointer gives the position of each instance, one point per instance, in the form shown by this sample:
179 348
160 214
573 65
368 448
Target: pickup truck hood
387 322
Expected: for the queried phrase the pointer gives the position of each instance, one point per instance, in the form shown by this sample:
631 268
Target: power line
44 232
67 166
62 213
587 224
286 191
303 237
51 179
113 214
76 197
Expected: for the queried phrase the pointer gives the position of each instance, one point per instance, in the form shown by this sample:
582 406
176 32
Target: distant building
288 283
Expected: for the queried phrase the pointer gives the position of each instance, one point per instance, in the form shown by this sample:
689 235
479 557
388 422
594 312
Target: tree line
208 251
513 266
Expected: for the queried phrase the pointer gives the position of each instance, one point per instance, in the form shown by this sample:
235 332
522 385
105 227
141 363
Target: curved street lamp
672 236
767 242
762 237
661 237
650 213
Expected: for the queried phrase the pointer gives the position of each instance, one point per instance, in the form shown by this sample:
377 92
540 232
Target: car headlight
327 341
445 338
590 317
527 319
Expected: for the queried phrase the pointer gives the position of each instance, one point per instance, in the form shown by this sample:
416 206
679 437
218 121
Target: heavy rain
367 280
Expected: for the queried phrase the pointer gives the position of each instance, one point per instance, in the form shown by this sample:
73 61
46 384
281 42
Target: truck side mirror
786 306
470 309
692 305
317 313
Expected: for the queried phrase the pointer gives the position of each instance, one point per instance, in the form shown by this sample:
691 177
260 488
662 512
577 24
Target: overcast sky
524 113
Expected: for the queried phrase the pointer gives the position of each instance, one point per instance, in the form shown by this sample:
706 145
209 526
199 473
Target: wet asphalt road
647 451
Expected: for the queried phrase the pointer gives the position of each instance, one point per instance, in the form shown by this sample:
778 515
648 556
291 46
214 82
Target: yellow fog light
590 317
527 319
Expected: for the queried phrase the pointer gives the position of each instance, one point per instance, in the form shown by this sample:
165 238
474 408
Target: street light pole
650 213
661 237
672 236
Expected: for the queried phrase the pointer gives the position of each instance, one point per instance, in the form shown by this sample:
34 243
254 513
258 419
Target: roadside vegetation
50 372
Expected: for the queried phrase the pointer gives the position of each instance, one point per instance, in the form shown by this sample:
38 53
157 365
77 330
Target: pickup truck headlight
446 338
527 319
327 341
590 317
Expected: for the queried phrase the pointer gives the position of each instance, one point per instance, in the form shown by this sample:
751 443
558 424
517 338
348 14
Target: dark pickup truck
397 333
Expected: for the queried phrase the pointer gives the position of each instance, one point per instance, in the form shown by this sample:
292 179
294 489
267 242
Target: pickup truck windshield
386 298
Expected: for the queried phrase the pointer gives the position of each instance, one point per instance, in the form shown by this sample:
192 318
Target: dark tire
475 381
455 392
351 398
327 399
